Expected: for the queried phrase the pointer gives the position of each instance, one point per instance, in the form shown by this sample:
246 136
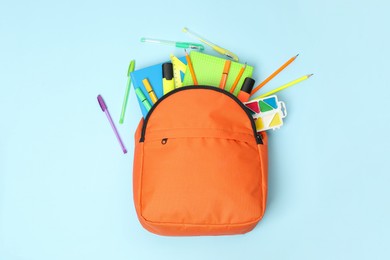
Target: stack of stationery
208 70
154 75
197 68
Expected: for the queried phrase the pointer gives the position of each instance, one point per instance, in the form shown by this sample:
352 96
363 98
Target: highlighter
246 89
143 99
168 82
149 89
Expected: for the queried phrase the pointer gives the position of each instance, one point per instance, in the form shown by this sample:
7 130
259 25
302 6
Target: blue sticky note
271 101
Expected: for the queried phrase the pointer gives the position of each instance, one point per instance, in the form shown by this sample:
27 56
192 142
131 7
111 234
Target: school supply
208 70
215 47
246 89
127 91
274 74
191 69
104 108
184 45
268 112
179 68
225 73
237 78
200 167
168 81
149 89
154 75
142 99
285 86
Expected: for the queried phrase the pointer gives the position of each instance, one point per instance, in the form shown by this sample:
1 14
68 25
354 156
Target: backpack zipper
259 139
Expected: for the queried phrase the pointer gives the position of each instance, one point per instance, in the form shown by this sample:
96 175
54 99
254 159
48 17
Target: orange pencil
225 73
238 78
274 74
189 63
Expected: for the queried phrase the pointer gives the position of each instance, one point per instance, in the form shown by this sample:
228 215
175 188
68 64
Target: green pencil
124 105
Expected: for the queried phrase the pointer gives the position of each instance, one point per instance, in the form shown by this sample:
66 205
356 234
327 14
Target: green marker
124 105
143 99
184 45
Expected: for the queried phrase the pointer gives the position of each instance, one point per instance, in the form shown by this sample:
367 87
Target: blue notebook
154 75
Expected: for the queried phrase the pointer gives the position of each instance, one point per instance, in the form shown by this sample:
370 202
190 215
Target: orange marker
238 78
274 74
246 89
225 74
189 64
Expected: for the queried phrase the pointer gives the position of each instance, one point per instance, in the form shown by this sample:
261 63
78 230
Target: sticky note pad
267 112
208 70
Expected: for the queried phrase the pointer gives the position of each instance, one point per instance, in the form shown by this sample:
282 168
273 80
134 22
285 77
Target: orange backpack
200 167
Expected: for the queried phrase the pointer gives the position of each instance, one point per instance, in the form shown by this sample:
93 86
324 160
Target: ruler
178 66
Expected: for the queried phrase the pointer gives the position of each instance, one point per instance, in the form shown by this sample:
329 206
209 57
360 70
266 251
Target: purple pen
105 110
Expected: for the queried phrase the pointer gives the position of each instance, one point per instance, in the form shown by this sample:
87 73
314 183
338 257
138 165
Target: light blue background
66 188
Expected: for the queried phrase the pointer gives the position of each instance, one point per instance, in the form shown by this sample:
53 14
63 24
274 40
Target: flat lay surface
66 186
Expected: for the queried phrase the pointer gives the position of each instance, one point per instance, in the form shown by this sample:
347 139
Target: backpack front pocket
201 176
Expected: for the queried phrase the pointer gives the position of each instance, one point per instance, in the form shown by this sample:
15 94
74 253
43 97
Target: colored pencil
238 78
191 68
274 74
285 86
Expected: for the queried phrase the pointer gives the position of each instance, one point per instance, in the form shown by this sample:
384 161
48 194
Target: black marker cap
248 84
167 70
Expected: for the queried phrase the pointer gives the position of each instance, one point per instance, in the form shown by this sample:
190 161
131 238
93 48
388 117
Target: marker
149 89
143 99
238 78
127 91
191 68
184 45
105 110
246 89
168 82
225 73
215 47
285 86
274 74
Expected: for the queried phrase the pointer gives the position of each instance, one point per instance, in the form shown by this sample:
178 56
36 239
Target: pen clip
102 104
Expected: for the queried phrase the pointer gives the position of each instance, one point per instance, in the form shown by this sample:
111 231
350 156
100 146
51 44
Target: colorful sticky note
264 107
259 124
276 121
253 106
271 101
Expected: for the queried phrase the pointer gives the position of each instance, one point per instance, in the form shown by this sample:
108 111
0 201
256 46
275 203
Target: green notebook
208 70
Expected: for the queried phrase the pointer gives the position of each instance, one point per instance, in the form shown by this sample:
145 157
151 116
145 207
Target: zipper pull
259 138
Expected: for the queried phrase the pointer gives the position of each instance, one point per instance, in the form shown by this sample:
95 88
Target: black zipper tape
259 139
